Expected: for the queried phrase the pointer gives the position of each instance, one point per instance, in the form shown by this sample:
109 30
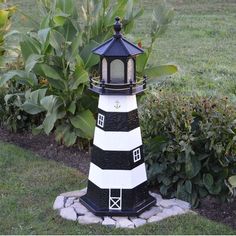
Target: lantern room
117 66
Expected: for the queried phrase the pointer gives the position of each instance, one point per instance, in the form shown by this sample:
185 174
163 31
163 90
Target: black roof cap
117 45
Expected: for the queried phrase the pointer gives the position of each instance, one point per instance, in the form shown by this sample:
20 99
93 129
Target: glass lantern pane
117 72
104 69
130 70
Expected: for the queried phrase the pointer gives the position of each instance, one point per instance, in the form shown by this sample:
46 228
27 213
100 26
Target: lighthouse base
137 210
126 202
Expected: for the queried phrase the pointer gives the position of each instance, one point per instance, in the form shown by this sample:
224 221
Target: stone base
70 208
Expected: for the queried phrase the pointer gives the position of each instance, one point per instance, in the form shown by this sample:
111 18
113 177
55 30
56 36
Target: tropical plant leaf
85 122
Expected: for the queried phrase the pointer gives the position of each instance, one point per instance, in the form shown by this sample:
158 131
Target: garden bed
46 147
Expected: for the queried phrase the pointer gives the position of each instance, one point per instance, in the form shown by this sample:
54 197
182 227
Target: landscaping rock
184 205
147 214
108 221
69 201
71 209
68 213
138 222
167 203
89 218
157 196
123 222
79 208
59 203
77 193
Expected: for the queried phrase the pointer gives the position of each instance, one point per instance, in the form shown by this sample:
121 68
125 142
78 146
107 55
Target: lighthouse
117 181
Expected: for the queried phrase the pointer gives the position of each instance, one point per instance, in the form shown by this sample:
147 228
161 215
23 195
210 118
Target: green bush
190 144
57 58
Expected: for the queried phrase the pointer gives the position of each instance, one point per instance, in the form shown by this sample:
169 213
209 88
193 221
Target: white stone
176 210
68 213
153 211
59 203
108 221
77 193
123 222
79 208
69 201
156 218
184 205
157 196
89 218
138 222
167 203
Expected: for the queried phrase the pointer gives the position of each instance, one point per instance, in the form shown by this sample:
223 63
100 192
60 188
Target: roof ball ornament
117 27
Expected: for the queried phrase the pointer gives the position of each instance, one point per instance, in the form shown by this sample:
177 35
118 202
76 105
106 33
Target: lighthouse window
136 154
101 119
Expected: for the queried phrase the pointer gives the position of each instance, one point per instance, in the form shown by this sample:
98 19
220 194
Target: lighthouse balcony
99 86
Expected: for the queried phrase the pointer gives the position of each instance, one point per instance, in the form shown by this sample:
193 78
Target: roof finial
117 27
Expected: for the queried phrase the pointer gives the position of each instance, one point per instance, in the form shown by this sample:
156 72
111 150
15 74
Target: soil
46 147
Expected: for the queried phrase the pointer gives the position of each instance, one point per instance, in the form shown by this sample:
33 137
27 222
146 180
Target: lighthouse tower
117 182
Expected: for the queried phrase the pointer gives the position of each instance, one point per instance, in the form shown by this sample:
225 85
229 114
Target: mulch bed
46 147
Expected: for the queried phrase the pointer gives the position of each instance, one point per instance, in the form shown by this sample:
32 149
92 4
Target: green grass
29 185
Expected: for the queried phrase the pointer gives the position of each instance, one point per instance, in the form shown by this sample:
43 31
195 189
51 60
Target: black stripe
115 160
119 121
134 200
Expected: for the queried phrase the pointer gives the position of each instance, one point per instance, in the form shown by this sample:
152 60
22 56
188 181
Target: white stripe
117 103
120 179
117 141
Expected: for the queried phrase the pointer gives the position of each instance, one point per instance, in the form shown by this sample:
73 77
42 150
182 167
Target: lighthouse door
115 199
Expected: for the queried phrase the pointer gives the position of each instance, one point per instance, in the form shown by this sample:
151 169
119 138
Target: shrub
190 144
58 58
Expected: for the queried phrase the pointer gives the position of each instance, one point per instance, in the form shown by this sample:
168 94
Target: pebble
89 218
108 221
59 203
68 213
79 208
77 193
69 201
138 222
124 222
149 213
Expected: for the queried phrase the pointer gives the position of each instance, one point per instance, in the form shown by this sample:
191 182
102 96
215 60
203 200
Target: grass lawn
29 185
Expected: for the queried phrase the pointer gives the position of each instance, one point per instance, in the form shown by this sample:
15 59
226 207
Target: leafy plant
161 17
58 58
6 13
190 144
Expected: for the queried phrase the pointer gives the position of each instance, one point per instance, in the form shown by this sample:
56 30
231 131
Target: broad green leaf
192 166
208 181
69 137
162 70
86 54
3 17
50 72
32 104
57 40
232 181
29 46
49 122
32 60
141 62
51 103
72 108
85 122
188 186
20 76
77 79
44 34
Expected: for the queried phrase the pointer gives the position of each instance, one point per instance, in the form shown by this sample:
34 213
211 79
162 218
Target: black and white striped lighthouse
117 182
